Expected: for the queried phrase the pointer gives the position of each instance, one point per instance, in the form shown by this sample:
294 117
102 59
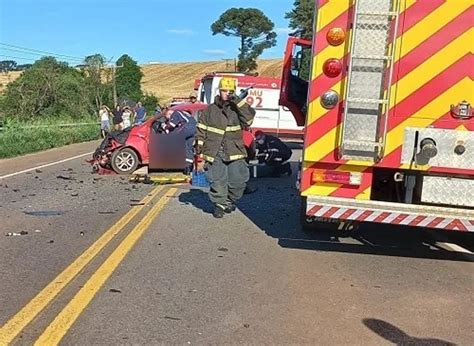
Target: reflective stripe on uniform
208 158
236 157
233 128
219 131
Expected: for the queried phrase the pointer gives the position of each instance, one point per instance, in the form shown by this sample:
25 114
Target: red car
124 151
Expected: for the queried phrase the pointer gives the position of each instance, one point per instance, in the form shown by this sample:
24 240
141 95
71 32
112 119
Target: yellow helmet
227 83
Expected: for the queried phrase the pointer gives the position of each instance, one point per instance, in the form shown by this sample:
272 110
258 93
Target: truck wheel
312 224
124 161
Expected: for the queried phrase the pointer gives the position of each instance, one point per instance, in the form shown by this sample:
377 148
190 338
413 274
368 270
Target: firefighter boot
230 208
219 211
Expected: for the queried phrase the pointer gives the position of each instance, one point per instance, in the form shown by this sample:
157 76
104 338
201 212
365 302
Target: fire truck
270 116
389 125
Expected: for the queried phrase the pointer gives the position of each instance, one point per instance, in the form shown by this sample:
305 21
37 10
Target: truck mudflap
341 209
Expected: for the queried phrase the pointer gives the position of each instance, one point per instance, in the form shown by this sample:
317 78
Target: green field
18 138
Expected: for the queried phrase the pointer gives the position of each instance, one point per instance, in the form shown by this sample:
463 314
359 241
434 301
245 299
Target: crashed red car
124 151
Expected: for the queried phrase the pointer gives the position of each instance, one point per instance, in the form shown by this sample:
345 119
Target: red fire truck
389 127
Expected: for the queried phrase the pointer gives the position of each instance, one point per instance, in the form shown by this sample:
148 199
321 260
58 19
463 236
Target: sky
161 31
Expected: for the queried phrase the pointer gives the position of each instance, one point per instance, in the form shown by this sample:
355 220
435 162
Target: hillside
171 80
6 78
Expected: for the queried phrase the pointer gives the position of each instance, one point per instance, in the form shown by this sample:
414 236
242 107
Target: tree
128 78
94 72
7 65
48 88
301 18
253 28
23 67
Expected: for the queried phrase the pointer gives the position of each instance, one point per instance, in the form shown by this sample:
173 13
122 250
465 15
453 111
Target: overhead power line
14 50
40 51
33 60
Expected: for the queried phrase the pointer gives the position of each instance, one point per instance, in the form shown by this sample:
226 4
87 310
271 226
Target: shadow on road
275 208
397 336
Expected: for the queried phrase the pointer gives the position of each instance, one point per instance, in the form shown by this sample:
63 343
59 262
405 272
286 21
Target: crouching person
274 153
220 146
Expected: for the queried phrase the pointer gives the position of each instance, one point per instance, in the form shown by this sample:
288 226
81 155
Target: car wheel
124 161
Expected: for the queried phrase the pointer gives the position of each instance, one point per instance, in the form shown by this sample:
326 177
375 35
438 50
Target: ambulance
389 124
264 96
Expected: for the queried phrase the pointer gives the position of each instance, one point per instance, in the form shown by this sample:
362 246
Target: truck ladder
367 97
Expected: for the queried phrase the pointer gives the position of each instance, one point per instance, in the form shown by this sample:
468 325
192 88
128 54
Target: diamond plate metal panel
446 142
374 5
450 191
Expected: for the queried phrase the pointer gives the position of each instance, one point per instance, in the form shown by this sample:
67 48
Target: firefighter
221 149
274 153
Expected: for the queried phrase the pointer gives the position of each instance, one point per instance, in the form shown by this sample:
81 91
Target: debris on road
14 234
44 213
51 241
172 318
162 179
106 212
134 204
64 177
223 249
38 171
115 290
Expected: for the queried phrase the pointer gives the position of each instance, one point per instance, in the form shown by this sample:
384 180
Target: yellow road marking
61 324
18 322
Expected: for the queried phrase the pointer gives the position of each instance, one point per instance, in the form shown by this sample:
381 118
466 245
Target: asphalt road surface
100 260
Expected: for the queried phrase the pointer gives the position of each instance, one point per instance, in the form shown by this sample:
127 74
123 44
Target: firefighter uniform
219 143
274 153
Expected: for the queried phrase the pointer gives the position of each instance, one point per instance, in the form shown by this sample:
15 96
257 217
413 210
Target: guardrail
52 125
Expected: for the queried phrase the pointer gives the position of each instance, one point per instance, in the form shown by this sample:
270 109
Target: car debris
14 234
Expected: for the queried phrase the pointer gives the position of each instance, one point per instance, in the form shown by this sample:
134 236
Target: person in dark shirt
117 118
274 153
140 113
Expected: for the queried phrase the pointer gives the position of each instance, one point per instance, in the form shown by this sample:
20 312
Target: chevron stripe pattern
433 69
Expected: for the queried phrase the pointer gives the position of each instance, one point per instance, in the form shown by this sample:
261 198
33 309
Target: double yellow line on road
58 328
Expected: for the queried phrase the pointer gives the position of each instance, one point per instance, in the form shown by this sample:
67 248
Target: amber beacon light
336 36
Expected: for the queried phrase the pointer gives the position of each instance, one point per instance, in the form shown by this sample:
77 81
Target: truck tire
124 161
324 224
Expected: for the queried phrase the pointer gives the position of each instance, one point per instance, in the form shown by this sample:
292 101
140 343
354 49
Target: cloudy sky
147 30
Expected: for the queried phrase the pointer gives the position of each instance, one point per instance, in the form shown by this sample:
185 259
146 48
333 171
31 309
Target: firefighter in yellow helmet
221 149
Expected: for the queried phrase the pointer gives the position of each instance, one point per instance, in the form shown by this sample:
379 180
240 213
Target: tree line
50 87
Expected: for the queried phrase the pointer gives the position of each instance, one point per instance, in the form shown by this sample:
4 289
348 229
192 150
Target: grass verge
19 138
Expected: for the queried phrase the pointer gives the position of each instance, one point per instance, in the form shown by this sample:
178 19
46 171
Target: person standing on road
127 117
220 147
104 114
140 113
193 97
117 119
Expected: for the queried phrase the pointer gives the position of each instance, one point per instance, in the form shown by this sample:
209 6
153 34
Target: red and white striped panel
394 218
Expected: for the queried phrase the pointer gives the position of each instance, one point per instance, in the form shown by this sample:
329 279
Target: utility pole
114 84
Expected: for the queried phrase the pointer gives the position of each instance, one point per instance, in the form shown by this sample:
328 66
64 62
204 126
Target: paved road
109 262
